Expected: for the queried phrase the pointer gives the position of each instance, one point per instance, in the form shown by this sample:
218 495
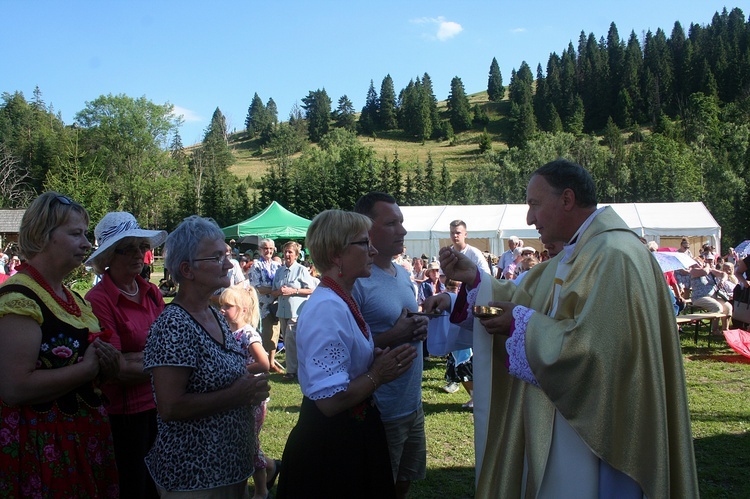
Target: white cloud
518 30
445 29
448 29
187 114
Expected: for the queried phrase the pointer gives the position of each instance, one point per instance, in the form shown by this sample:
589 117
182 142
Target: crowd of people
145 399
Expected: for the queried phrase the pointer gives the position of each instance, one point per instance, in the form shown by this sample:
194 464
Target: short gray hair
267 242
183 241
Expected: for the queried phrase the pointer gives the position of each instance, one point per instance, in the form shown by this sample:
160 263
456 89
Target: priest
581 391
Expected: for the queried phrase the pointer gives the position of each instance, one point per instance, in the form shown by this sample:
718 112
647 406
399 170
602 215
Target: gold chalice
485 311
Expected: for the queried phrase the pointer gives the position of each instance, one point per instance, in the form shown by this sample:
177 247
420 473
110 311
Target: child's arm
261 363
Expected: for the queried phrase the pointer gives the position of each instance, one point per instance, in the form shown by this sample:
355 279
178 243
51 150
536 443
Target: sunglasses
63 200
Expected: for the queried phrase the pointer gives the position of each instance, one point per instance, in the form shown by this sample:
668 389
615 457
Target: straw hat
114 227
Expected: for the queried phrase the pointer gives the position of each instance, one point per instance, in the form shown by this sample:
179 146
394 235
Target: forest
658 118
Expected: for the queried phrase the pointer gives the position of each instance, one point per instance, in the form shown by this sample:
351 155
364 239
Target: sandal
276 469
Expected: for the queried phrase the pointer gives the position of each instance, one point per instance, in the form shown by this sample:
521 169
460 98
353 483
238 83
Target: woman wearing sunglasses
55 437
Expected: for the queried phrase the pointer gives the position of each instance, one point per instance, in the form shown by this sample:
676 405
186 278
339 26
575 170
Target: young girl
240 308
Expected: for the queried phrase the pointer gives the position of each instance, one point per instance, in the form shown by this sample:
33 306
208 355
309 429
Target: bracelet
371 379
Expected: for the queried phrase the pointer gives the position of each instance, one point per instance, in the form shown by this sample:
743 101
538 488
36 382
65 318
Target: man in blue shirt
384 299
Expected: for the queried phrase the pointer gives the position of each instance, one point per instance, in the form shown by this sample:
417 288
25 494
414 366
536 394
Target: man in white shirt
458 236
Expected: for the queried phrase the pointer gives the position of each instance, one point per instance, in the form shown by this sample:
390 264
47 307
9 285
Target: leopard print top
209 452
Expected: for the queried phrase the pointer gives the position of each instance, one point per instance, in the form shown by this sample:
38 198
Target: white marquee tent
489 226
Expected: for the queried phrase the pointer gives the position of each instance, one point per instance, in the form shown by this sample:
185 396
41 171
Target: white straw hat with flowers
113 228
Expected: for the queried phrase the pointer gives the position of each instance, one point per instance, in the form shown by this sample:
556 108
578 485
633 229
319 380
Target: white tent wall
419 227
489 226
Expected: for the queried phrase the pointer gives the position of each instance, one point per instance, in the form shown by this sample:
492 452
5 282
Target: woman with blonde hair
55 435
339 370
241 310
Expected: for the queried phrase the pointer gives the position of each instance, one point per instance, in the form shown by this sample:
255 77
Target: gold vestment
609 361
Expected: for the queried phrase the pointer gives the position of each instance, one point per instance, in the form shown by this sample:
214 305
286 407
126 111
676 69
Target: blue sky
200 55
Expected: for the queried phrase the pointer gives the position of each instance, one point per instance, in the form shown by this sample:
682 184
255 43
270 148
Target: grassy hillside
458 155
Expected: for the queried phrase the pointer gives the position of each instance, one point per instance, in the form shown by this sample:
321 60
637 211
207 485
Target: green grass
717 379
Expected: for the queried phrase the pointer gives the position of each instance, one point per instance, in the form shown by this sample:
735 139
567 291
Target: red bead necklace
69 306
327 281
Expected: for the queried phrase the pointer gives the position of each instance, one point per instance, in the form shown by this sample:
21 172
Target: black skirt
344 456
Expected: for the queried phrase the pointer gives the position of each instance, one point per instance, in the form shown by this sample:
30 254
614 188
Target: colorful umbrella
742 248
739 340
673 260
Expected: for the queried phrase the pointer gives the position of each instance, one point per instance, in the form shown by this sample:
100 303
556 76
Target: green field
458 155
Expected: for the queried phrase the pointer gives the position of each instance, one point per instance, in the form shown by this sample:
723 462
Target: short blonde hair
243 298
330 233
291 244
46 213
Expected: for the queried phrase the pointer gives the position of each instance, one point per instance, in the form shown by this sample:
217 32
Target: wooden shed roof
10 221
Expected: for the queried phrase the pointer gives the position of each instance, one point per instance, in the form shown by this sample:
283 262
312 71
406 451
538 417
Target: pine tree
485 142
317 105
632 74
495 88
272 112
657 62
176 150
430 182
410 192
344 114
615 64
368 119
458 106
418 197
522 118
428 96
444 189
387 118
215 149
255 116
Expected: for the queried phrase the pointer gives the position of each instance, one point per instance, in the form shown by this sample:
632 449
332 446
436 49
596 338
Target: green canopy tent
275 222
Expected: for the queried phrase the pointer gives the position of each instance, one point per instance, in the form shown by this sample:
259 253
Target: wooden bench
698 319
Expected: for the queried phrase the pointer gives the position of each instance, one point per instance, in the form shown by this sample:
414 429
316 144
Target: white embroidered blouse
330 346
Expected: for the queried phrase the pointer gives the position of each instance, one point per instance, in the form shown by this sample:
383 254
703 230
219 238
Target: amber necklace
334 286
69 306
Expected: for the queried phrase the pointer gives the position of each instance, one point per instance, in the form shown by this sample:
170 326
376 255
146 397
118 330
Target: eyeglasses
133 250
363 242
218 259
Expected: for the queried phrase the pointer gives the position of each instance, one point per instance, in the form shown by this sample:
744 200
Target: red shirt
148 257
130 323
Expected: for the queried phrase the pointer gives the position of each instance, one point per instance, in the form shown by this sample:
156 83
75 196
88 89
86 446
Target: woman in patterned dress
204 393
55 436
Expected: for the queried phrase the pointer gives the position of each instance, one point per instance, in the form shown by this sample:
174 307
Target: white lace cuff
516 346
471 300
